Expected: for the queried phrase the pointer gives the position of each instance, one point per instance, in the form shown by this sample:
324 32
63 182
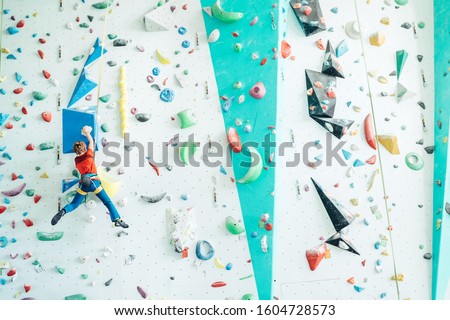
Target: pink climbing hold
285 49
28 222
47 116
372 160
258 91
14 192
142 292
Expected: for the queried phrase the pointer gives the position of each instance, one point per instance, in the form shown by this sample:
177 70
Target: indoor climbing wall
393 239
166 71
91 251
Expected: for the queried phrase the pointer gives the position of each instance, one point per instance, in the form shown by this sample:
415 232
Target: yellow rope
378 148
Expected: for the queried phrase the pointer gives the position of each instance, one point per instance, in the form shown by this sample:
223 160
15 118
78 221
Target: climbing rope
378 148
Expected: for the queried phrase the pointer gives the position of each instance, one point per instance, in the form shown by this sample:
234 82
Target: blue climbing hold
156 71
11 57
18 77
182 30
167 95
358 163
3 242
204 250
347 155
185 44
357 288
12 30
342 48
2 91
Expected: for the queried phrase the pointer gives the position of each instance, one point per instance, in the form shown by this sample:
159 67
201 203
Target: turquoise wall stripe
441 235
230 67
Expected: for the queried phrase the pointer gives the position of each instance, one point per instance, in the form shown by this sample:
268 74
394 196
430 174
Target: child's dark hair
79 147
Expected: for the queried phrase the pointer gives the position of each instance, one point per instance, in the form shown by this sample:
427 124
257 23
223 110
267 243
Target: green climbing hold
112 36
238 47
105 98
29 192
76 71
47 145
104 127
36 262
187 150
84 276
78 58
17 118
401 2
186 72
421 25
248 296
60 270
37 95
401 57
78 296
84 25
414 161
75 173
234 226
49 236
187 118
103 4
37 168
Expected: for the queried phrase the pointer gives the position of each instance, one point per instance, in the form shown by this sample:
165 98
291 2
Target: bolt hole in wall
92 251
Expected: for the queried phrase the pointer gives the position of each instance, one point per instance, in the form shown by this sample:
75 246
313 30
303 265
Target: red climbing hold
9 125
14 176
11 272
20 24
30 147
37 198
263 61
43 41
315 255
28 222
27 287
24 110
41 54
18 90
47 116
218 284
234 140
46 74
2 209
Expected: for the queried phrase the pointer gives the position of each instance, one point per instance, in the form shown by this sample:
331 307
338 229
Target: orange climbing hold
47 116
315 255
285 49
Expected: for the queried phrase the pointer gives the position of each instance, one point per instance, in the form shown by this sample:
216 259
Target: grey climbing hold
143 117
120 43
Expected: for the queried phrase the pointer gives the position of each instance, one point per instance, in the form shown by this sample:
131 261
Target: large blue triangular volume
96 53
67 184
82 88
73 121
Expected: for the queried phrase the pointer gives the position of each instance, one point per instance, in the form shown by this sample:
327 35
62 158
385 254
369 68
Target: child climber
89 182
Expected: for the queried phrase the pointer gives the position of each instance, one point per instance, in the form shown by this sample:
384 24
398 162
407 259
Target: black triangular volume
339 215
342 242
318 102
331 65
338 127
313 22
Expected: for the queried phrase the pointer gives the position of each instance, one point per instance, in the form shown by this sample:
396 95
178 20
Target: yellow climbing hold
161 58
44 175
398 277
377 39
123 101
390 143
